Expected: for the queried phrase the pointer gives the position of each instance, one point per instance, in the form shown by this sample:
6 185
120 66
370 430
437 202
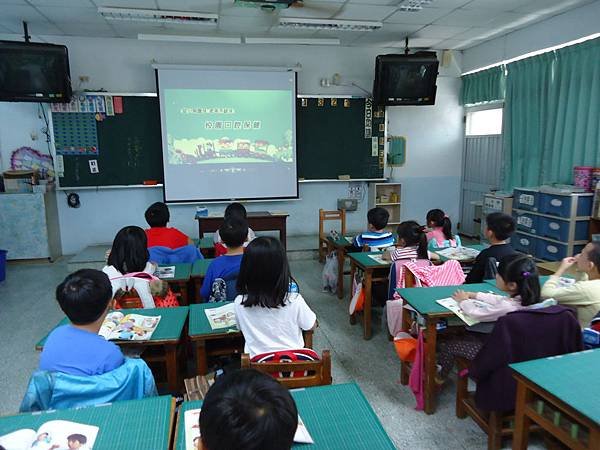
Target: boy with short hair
234 233
584 294
376 237
499 228
159 235
248 410
85 297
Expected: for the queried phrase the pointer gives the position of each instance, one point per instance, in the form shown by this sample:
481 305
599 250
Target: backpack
224 289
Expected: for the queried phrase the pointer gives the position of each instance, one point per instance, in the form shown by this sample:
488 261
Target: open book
458 253
453 305
52 435
130 327
221 317
191 420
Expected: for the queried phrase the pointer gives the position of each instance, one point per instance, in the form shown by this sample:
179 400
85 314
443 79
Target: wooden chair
318 372
129 300
325 216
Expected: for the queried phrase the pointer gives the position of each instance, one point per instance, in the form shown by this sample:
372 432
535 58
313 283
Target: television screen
405 79
34 72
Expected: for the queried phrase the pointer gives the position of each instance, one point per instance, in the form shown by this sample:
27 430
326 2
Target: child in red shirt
157 216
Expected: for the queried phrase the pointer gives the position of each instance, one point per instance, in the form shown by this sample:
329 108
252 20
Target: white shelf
388 204
550 239
550 216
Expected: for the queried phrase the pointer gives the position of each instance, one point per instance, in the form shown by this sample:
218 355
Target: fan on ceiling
272 5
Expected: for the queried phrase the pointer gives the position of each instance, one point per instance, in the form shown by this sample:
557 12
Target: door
482 162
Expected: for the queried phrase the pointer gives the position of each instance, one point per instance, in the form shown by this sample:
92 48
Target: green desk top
169 328
571 378
338 417
182 271
133 425
478 247
423 299
362 260
200 267
199 325
205 242
343 241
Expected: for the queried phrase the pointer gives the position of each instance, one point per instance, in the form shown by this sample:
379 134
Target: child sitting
518 277
85 297
499 228
376 238
584 294
412 241
247 410
159 235
233 210
270 318
440 234
234 233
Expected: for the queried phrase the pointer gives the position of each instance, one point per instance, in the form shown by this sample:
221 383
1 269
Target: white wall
121 65
571 25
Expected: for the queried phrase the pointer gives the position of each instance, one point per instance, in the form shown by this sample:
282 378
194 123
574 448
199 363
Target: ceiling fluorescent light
155 15
292 41
413 5
200 39
332 25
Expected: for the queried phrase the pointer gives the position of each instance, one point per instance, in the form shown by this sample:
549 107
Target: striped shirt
405 253
374 239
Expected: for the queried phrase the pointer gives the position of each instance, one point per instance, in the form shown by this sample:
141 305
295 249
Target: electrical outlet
354 190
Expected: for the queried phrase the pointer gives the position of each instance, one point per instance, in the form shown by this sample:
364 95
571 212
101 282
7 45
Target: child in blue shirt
76 349
234 233
376 237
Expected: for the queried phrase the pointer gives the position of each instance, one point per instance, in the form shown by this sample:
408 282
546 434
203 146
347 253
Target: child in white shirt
268 315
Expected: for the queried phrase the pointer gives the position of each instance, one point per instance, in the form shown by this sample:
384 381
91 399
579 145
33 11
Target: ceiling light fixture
413 5
292 41
183 38
332 25
154 15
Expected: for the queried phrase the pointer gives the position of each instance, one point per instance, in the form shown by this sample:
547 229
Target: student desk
180 280
340 246
132 424
423 300
258 221
338 417
223 341
559 394
166 337
549 267
371 268
197 275
206 246
478 247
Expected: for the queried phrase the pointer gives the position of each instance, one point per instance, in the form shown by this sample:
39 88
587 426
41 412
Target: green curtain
483 86
552 115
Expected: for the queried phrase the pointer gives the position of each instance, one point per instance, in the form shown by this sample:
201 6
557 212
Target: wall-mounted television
34 72
405 79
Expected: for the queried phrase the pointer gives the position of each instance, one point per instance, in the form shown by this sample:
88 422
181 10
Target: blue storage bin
560 205
559 229
526 222
551 251
524 244
526 199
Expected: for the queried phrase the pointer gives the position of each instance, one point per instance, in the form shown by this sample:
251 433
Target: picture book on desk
165 272
130 327
192 430
52 435
459 253
454 306
221 317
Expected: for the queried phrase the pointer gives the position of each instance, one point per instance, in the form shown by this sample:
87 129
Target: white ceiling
444 24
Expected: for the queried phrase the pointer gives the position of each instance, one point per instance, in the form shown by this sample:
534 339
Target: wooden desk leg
522 421
340 280
183 289
367 311
283 234
172 369
352 273
430 369
404 366
201 358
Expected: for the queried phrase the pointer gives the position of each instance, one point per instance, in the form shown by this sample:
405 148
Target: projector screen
228 134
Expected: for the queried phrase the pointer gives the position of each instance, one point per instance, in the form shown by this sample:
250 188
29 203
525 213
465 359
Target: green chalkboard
129 149
335 138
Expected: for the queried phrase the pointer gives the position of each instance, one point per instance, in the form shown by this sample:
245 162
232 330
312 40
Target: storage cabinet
389 197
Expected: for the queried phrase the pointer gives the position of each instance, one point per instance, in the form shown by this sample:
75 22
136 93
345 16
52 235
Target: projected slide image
207 127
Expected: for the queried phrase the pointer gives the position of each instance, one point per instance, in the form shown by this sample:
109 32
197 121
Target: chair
316 373
129 299
512 340
324 216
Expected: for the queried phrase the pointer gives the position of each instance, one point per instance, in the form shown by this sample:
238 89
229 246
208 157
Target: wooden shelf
550 216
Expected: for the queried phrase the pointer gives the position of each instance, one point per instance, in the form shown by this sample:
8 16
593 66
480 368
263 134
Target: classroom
320 224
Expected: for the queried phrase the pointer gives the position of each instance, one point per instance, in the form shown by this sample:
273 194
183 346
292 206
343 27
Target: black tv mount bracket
26 33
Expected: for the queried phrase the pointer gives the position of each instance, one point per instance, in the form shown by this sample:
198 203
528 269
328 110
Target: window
484 122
